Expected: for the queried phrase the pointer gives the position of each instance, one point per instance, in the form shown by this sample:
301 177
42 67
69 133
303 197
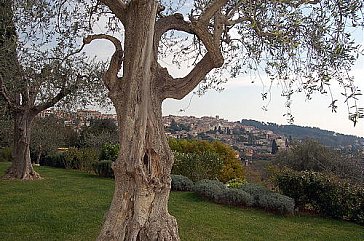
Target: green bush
255 190
54 160
104 168
181 183
326 194
268 200
236 197
216 191
6 154
81 159
228 164
206 165
312 156
209 189
109 152
276 202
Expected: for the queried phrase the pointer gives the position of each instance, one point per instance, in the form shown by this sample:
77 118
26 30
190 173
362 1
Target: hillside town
246 140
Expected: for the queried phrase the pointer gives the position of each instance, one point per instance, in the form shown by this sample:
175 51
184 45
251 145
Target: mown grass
70 205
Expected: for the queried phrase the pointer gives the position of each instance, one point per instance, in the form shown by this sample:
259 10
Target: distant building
88 114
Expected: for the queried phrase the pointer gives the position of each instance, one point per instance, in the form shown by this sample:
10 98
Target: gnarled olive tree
302 43
39 67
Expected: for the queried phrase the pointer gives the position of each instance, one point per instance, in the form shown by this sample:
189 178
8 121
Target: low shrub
54 160
6 154
268 200
254 189
181 183
236 197
326 194
104 168
275 202
216 191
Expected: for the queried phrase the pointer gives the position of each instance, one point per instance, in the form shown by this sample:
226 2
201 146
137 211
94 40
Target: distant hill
328 138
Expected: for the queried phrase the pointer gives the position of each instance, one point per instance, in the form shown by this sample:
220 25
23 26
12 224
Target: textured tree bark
21 167
142 170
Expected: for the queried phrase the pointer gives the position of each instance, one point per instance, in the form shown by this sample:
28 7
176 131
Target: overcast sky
241 99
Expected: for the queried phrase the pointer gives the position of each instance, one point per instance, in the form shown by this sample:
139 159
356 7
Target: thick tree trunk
21 167
142 171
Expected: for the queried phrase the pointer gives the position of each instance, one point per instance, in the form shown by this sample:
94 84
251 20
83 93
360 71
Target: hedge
268 200
326 194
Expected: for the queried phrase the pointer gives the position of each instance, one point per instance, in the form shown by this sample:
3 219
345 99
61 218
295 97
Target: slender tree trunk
142 171
21 167
39 155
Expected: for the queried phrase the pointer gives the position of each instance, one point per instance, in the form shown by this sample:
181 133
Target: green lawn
70 205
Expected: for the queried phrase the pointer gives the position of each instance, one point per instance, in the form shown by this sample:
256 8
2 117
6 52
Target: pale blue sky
242 100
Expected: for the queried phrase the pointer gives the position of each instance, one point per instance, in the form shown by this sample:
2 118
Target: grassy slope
70 205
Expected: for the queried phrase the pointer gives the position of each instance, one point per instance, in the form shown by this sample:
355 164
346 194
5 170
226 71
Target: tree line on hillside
327 138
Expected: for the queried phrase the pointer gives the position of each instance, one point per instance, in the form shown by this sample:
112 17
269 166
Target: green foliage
312 156
6 154
205 165
326 194
54 160
109 151
274 147
98 133
181 183
82 159
209 189
104 168
268 200
47 134
174 127
217 192
231 166
236 183
6 124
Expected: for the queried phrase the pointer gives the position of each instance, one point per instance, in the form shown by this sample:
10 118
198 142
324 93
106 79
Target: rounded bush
216 191
236 197
268 200
181 183
104 168
54 160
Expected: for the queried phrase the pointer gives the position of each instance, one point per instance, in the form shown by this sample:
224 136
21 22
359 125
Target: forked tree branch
118 7
172 22
180 87
177 88
61 94
110 77
211 10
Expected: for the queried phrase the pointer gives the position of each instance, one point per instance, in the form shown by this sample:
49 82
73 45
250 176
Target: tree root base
11 175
